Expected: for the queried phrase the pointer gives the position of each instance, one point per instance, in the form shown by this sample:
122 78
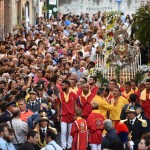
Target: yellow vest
116 112
104 106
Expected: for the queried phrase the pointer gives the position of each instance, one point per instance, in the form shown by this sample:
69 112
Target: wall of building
93 6
1 19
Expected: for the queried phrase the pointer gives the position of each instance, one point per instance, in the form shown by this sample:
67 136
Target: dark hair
31 134
20 97
94 78
78 112
100 91
133 98
134 81
92 63
11 70
2 126
148 80
3 106
16 113
107 90
75 61
80 53
113 80
68 64
128 83
85 79
116 87
10 130
51 134
146 137
66 82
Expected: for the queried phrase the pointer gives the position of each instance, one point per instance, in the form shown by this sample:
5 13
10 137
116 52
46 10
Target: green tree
142 23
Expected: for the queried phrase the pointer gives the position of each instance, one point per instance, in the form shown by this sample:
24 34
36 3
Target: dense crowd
48 103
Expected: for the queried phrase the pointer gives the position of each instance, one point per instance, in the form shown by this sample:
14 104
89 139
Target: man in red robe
135 89
128 91
66 113
92 82
96 127
145 99
79 132
85 99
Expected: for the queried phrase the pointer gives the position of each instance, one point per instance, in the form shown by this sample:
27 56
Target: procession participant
7 115
111 85
32 103
133 102
84 100
135 88
41 128
40 90
145 99
118 102
51 138
79 132
128 90
103 105
32 138
92 82
136 127
95 125
67 101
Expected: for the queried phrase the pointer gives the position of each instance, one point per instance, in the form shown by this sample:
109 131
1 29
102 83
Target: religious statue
123 53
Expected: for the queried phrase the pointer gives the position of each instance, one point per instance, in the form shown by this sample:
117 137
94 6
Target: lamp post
119 2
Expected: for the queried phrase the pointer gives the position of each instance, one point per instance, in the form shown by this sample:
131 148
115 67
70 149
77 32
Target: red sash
81 143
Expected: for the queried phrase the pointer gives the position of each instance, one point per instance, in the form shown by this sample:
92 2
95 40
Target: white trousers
66 138
95 146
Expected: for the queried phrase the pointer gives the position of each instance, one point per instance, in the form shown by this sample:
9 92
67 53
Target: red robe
94 90
79 134
67 106
137 92
146 104
85 104
95 126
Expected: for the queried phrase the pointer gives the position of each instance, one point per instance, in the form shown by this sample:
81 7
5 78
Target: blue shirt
52 146
78 72
3 144
10 146
67 23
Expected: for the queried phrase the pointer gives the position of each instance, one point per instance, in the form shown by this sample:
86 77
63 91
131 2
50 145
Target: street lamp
119 2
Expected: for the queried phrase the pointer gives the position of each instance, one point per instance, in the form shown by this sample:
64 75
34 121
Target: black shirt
27 146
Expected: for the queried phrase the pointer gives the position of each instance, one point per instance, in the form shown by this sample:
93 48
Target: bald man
85 99
95 125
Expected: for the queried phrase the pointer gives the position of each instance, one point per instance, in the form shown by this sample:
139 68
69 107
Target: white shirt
45 129
133 121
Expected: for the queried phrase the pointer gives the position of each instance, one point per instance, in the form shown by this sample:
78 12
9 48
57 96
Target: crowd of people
47 102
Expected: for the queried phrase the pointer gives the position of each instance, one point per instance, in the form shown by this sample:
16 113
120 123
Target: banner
52 2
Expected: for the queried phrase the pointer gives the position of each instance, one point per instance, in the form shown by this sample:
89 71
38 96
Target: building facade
13 12
93 6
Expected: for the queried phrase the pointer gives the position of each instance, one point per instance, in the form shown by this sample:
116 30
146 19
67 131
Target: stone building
93 6
12 12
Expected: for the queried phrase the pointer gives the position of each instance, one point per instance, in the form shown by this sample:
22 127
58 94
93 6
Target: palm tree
142 24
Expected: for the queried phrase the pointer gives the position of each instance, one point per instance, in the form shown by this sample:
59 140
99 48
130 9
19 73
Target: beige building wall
12 12
1 19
